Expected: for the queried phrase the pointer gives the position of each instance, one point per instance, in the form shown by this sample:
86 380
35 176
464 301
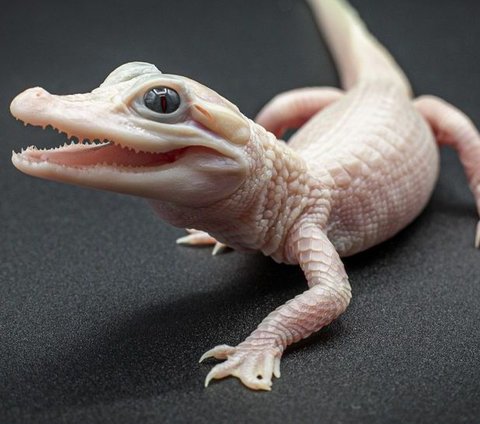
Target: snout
30 105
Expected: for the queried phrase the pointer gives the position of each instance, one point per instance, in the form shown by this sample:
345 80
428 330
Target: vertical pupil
161 94
162 100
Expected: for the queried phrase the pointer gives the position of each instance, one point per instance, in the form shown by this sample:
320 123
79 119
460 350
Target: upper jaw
103 115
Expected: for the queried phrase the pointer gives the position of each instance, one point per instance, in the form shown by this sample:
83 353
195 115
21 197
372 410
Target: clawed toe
276 367
218 248
218 352
201 238
255 381
196 237
254 368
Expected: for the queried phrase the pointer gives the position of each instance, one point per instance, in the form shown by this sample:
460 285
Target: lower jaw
90 157
29 166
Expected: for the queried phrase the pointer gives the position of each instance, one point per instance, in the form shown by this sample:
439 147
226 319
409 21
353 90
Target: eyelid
140 88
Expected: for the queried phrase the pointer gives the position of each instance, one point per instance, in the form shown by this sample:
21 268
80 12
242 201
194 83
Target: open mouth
87 154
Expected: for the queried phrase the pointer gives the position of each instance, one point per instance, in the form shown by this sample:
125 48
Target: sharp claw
218 248
207 354
218 352
208 378
183 240
204 356
276 367
196 238
217 372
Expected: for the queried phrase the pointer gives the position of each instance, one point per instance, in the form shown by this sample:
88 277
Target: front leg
255 360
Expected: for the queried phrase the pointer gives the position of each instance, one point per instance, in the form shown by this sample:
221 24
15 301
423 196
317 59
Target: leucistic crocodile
361 167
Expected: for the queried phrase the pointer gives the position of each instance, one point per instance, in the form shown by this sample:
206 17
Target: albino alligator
361 167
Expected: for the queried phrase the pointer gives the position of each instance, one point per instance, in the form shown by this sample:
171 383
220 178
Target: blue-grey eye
162 100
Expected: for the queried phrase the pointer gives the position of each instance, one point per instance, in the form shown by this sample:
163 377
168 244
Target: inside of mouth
108 153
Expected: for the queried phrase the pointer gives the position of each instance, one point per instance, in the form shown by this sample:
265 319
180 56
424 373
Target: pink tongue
85 155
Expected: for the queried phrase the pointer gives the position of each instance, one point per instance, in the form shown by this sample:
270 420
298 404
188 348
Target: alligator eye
162 100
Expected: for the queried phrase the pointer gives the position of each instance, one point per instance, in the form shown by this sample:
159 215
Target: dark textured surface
103 317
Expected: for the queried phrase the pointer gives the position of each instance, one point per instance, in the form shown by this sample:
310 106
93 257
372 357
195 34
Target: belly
388 193
381 164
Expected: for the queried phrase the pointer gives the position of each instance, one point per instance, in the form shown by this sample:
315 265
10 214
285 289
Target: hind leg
453 128
293 108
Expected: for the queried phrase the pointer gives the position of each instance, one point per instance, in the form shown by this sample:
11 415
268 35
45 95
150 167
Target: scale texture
357 266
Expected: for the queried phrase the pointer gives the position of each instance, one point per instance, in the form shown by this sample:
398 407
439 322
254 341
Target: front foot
252 366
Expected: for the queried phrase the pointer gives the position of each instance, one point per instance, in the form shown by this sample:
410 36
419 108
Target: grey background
103 318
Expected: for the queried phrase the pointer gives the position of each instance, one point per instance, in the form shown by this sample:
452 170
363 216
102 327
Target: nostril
28 104
37 91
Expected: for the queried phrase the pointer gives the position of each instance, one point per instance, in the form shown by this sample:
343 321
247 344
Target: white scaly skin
361 168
